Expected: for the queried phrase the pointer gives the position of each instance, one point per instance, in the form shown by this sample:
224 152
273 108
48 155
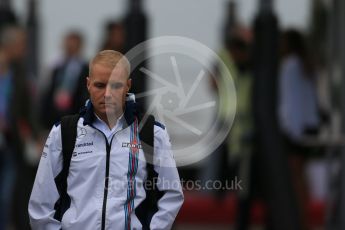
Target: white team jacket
91 208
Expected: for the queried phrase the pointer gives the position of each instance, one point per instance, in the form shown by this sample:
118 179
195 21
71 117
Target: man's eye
116 85
99 85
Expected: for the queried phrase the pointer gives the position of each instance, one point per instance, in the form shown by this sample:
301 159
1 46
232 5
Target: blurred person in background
114 37
18 130
66 92
241 141
298 111
232 156
7 167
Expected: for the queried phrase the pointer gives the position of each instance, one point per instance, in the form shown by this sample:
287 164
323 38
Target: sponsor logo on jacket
84 144
131 145
75 154
81 133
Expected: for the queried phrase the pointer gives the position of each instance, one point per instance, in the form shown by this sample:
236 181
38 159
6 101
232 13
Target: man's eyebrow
99 82
115 82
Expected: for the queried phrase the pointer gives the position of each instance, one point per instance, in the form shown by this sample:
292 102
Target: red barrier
201 208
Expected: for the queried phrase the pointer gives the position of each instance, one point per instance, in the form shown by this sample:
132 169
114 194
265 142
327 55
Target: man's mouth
108 104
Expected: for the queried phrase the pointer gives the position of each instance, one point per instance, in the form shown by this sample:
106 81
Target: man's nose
107 93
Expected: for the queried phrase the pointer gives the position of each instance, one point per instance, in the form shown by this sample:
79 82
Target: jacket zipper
106 181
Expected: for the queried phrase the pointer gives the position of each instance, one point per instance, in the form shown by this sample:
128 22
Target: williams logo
131 145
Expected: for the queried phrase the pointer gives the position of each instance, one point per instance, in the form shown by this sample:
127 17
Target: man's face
17 49
107 88
72 46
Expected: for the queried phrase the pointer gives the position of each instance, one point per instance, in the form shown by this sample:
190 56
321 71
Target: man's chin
106 110
107 107
112 112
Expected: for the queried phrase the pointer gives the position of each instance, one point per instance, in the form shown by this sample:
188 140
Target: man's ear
88 83
129 84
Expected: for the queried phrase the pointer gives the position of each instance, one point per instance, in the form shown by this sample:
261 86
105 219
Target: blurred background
287 60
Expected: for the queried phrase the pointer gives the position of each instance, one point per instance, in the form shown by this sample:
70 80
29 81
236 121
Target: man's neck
110 120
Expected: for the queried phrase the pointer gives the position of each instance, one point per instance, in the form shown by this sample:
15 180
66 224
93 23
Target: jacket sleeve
44 193
168 182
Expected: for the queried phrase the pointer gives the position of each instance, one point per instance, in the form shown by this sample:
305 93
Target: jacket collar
87 112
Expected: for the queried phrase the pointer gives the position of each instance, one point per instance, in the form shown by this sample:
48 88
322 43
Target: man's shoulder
160 125
56 129
54 136
57 125
160 133
55 132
